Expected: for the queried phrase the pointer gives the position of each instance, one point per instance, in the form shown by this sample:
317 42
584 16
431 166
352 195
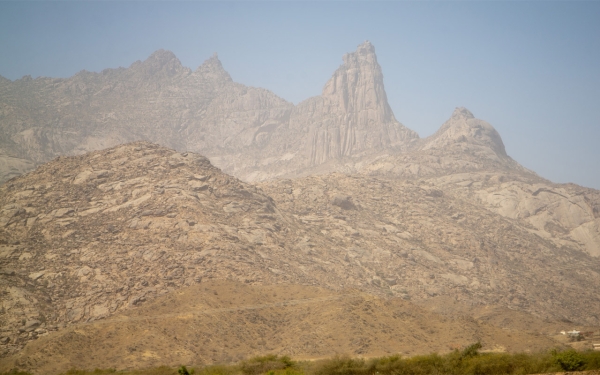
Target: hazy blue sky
531 69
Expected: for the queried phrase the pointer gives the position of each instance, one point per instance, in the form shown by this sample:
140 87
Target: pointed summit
464 128
462 112
353 114
357 90
364 52
213 70
357 85
162 56
161 63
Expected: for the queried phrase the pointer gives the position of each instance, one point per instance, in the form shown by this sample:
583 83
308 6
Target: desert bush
592 360
340 365
184 371
569 360
264 364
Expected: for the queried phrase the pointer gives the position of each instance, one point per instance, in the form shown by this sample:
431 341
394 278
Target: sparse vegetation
269 364
469 361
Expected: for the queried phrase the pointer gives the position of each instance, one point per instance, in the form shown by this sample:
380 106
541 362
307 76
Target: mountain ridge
189 108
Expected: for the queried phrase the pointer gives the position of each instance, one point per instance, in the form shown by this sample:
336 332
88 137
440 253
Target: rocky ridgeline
248 132
84 237
467 156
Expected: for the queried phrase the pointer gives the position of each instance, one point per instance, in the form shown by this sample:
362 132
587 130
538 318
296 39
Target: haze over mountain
333 192
201 111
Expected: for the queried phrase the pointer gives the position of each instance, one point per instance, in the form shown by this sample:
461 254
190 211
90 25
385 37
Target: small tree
184 371
569 360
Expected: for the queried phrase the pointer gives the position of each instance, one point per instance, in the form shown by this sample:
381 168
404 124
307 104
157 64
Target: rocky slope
467 156
423 238
84 237
89 237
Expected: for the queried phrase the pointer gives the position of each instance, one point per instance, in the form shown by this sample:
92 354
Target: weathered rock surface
352 115
428 237
467 156
84 237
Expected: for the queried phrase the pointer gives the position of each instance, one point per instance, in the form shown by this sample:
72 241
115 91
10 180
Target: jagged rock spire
355 114
213 70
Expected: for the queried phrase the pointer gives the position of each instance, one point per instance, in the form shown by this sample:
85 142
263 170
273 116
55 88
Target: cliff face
352 115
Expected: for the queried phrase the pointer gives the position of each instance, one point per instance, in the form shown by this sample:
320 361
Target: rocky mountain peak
358 84
213 70
160 63
354 113
162 56
364 52
462 113
465 130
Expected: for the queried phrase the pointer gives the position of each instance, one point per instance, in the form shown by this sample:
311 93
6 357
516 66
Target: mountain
84 237
331 197
111 237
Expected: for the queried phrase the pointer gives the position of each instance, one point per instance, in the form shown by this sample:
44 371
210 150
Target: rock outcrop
462 144
352 115
465 130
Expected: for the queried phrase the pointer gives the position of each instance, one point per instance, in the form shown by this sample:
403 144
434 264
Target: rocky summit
293 222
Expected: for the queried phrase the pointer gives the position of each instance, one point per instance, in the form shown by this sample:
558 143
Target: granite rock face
352 115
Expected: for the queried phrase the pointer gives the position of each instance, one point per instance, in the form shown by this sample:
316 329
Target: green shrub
340 365
569 360
184 371
592 360
264 364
